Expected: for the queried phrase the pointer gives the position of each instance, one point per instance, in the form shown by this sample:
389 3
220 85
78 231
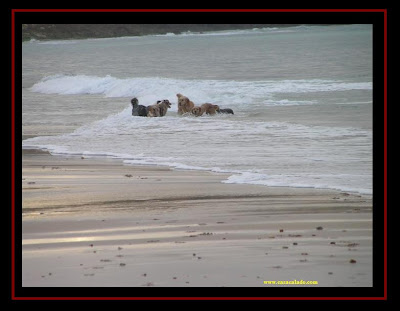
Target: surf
151 89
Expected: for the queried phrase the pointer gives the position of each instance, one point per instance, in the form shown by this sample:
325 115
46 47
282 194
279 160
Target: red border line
385 155
202 10
13 155
204 298
13 11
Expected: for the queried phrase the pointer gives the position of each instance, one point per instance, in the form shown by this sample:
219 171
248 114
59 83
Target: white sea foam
342 182
216 91
261 153
57 42
265 30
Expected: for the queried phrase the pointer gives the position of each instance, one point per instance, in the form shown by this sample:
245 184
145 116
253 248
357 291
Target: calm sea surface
302 98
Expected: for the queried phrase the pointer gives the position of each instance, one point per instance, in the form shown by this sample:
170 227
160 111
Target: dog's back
226 110
138 110
153 111
143 111
210 108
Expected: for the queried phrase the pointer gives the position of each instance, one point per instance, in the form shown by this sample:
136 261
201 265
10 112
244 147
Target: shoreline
223 174
91 222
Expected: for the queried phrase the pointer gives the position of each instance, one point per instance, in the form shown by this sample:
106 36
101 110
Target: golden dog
197 111
210 108
184 104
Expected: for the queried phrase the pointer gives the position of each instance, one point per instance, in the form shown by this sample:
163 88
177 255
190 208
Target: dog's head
197 111
134 101
166 102
182 98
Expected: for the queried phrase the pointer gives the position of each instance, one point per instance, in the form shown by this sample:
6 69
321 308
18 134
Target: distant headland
84 31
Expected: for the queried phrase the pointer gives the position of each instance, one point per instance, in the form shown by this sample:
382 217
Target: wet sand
91 222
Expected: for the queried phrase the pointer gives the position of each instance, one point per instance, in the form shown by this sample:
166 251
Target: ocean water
302 98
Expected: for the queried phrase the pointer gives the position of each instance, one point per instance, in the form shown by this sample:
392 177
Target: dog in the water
163 105
159 109
184 104
198 111
138 110
153 111
226 110
210 108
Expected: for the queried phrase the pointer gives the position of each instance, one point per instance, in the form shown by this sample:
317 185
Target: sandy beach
92 222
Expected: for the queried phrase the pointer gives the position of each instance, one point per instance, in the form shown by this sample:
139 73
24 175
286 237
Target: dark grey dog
138 110
226 110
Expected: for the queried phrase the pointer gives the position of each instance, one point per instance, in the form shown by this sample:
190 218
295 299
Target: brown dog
163 105
184 104
159 109
153 111
197 111
210 108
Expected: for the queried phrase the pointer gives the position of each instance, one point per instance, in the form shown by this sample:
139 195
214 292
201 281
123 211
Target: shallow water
302 98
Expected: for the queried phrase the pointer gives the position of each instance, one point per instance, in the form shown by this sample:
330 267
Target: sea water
302 98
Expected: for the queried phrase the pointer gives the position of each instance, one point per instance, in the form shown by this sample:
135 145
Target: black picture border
378 18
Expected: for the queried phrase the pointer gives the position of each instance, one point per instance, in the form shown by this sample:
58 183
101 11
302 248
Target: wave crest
151 89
